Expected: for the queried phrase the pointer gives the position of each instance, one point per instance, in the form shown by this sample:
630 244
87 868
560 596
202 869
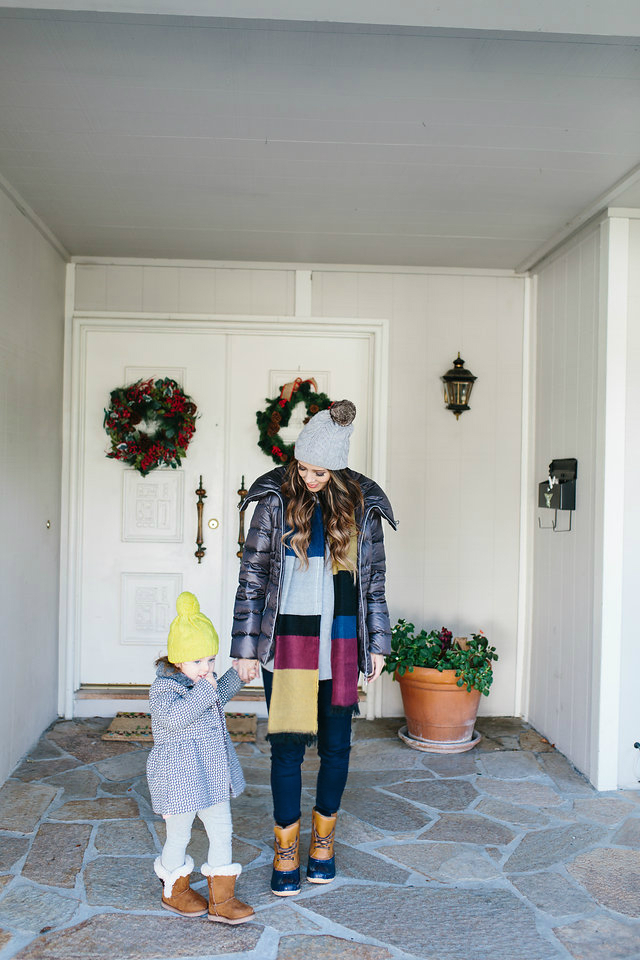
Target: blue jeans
334 747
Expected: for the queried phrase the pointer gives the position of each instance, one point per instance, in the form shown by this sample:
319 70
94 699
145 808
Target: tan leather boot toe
184 901
224 907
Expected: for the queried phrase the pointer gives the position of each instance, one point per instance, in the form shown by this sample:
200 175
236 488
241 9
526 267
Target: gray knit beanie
324 440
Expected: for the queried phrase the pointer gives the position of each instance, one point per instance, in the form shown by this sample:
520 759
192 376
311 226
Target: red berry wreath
150 424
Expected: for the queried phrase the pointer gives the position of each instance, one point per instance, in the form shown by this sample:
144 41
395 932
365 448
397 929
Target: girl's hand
248 669
377 663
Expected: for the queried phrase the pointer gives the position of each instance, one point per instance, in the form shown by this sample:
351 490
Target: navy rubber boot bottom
285 883
321 871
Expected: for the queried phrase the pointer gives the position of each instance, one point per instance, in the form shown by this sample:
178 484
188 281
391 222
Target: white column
611 456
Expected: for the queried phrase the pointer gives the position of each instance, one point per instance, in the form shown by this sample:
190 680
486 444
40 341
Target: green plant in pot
441 679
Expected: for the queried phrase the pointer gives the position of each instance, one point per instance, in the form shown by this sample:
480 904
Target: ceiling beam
571 17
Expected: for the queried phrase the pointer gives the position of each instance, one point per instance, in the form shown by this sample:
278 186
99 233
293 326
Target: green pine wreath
277 414
150 424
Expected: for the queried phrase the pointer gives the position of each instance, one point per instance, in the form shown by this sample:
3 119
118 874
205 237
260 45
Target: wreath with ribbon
277 414
150 424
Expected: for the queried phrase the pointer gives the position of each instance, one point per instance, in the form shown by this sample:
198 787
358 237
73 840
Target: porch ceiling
194 137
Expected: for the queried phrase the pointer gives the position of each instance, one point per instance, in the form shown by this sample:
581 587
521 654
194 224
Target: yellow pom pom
187 604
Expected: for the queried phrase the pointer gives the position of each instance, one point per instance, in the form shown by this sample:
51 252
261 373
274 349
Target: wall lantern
458 384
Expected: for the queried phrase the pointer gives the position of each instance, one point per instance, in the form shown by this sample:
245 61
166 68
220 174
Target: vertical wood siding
32 278
562 638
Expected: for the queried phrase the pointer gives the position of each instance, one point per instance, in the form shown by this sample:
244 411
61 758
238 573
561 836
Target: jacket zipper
361 598
280 579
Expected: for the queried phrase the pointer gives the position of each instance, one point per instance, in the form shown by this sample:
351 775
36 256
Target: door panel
138 536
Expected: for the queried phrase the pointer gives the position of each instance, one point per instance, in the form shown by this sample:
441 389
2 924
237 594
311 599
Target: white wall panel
125 288
168 288
562 636
160 289
32 278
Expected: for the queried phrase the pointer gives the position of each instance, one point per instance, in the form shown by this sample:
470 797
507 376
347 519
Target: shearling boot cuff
169 877
230 870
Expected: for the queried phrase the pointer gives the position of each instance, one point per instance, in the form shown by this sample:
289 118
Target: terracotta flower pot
435 707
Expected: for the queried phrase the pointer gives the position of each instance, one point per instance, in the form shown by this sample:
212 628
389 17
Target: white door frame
78 325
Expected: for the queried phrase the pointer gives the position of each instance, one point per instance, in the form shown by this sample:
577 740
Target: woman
311 608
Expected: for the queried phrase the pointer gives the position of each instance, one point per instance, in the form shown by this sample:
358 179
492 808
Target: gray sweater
193 763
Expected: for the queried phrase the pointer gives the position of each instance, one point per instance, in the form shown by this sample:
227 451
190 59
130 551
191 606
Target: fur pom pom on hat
324 440
192 636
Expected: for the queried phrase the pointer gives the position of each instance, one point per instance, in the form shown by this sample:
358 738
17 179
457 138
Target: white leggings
217 823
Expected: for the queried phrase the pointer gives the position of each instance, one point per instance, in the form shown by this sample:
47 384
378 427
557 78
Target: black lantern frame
458 384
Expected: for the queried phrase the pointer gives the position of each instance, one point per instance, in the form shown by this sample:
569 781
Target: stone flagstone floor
502 853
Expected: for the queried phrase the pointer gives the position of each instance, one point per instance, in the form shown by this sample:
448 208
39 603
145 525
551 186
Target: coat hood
374 496
167 672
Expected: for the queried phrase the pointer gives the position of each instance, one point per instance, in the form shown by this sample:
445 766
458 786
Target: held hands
377 663
248 669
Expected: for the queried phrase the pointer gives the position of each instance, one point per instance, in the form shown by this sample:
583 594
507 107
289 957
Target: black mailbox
559 491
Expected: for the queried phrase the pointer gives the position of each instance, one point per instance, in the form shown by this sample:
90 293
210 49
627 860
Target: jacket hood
270 482
374 496
168 672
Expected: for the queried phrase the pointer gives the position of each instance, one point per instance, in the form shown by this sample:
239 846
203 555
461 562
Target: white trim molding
33 218
295 267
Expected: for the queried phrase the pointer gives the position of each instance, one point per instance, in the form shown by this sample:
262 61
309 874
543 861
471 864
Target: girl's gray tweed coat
193 763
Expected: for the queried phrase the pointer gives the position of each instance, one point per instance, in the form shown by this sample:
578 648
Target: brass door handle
201 494
242 494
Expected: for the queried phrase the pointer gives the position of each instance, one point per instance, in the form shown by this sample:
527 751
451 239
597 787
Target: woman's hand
248 669
377 663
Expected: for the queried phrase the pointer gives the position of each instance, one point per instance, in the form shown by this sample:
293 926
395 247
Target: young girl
193 767
311 606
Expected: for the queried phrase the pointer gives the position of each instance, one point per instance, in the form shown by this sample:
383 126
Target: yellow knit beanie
192 636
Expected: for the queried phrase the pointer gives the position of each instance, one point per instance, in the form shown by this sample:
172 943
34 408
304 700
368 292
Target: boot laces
323 843
287 853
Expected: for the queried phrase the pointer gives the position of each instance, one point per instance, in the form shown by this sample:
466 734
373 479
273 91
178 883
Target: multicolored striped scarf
293 712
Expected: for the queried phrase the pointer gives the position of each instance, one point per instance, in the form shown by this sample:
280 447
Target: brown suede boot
223 905
177 896
322 865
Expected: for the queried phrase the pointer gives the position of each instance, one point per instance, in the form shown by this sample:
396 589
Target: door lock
213 524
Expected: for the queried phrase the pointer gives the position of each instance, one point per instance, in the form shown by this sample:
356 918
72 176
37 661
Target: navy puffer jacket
258 595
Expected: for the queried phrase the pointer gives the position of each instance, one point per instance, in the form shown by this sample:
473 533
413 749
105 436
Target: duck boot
322 862
177 895
285 877
223 905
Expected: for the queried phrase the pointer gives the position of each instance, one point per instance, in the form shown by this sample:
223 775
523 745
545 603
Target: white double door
136 537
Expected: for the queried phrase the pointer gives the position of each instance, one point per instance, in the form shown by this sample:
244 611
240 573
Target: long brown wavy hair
340 502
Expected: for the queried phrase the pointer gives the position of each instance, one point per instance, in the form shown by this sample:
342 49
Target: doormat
130 726
137 727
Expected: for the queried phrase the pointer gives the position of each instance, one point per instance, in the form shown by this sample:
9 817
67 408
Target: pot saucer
439 746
